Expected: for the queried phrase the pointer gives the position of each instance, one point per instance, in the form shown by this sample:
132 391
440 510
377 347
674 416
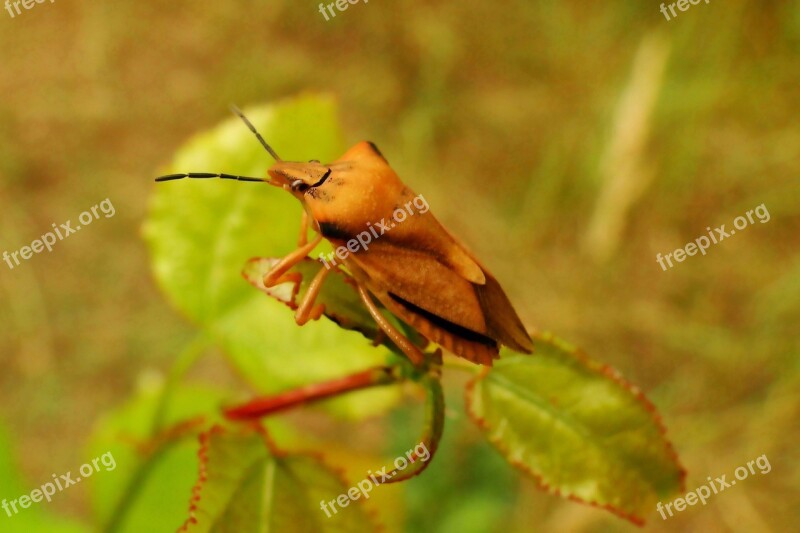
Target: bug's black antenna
171 177
238 112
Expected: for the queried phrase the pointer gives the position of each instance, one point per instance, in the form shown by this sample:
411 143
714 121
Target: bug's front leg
307 310
400 340
303 239
274 276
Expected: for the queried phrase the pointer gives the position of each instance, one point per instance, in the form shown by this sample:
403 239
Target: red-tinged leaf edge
197 489
287 292
607 371
202 454
257 267
168 435
432 435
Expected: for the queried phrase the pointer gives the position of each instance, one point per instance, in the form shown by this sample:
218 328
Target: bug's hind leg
307 310
400 340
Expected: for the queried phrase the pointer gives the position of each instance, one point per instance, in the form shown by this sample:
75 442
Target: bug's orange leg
289 277
402 342
307 310
379 338
303 229
273 277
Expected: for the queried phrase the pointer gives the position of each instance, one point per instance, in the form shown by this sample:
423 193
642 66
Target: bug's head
298 178
358 184
341 186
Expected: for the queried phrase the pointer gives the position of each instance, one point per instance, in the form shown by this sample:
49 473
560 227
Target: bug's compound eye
299 186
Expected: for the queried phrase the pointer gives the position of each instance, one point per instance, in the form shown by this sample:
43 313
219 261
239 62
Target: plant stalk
265 405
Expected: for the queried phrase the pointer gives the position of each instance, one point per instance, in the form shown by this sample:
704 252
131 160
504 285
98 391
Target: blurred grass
499 112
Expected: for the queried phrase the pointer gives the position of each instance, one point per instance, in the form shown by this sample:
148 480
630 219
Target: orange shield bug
411 265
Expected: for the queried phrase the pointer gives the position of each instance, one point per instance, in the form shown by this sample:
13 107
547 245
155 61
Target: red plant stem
265 405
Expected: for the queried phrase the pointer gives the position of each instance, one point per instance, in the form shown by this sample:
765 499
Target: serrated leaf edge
202 453
601 369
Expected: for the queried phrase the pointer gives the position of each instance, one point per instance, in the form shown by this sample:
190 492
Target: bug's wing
501 318
426 286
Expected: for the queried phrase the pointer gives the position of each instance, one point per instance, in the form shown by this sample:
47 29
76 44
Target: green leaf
149 486
246 485
37 517
202 232
578 428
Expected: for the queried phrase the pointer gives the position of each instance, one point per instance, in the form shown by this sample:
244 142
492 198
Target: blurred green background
566 143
